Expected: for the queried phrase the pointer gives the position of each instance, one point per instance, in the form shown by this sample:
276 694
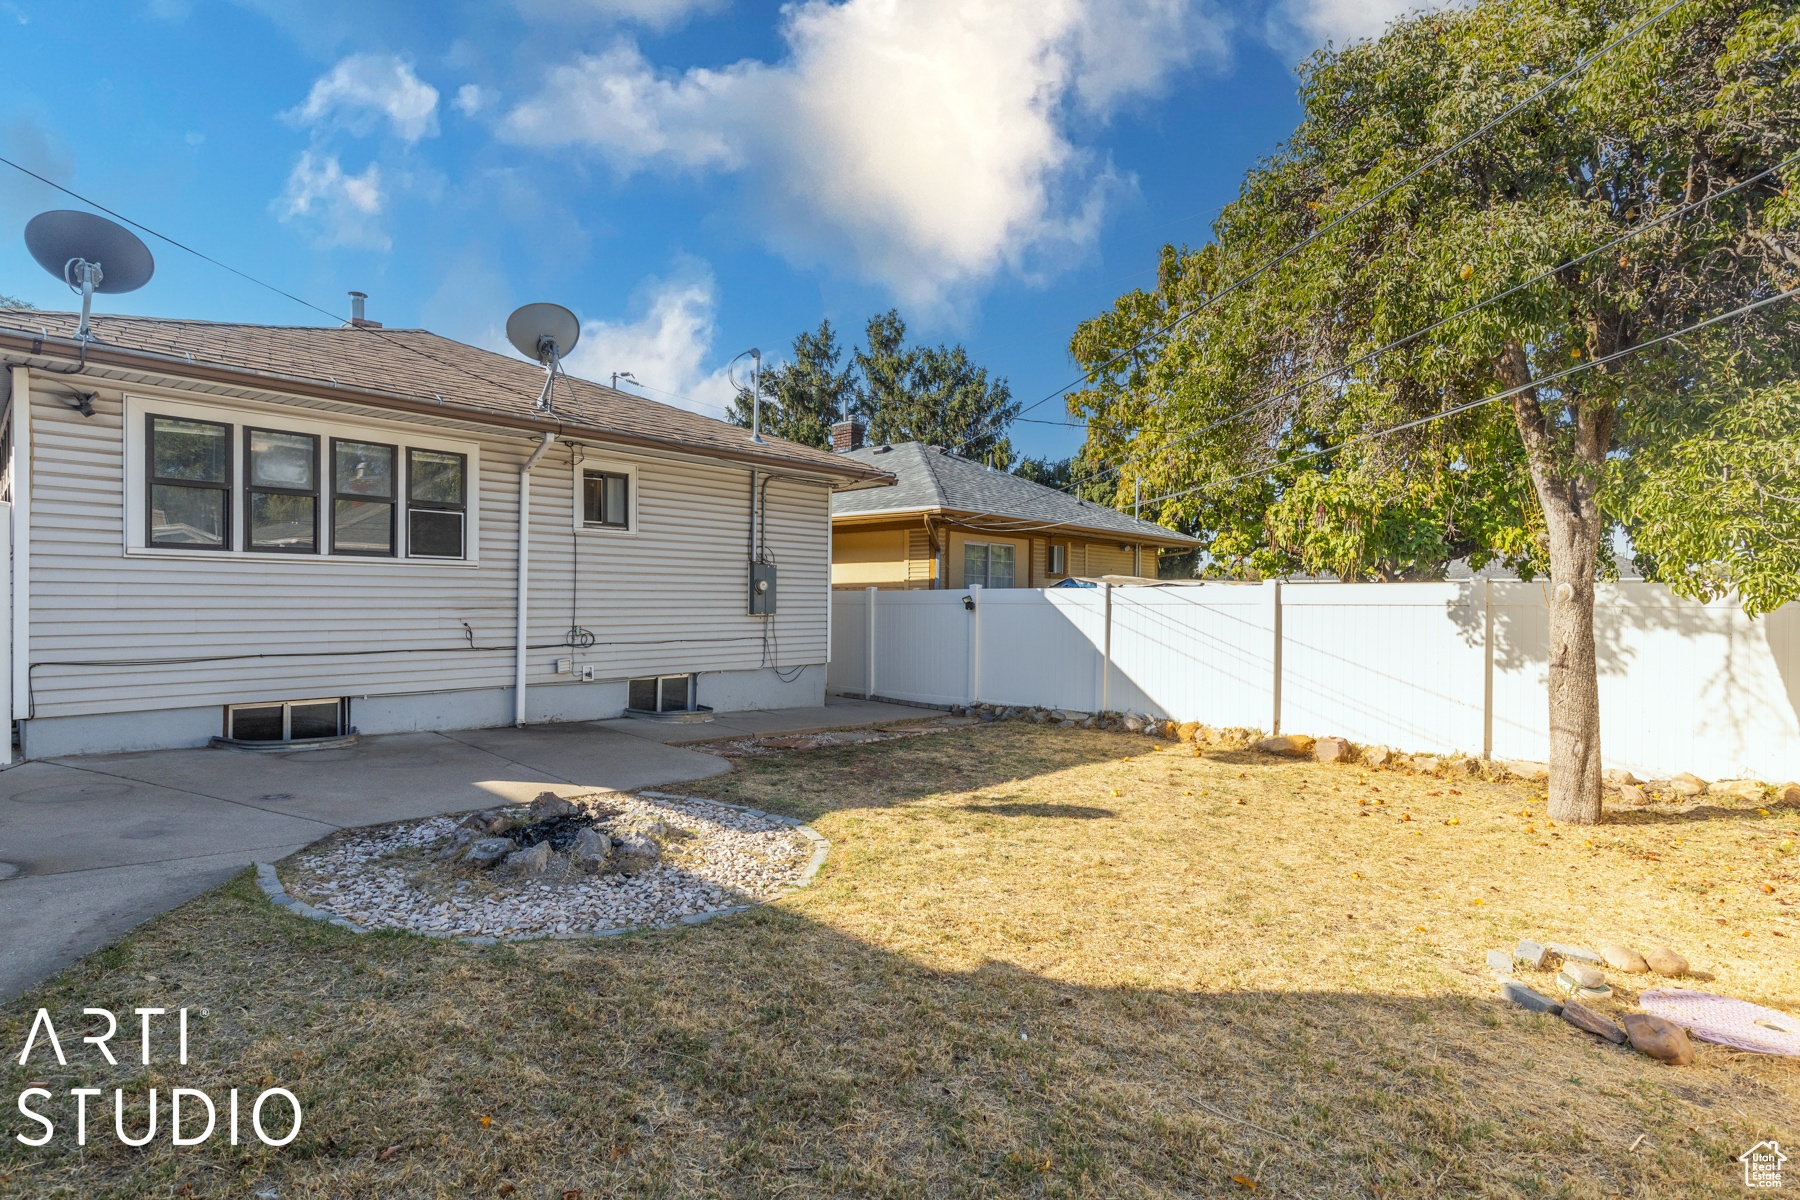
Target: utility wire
1439 324
1580 65
1485 400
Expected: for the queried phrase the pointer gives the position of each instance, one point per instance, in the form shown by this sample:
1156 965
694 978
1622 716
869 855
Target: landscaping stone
488 851
1525 997
459 841
1134 724
1743 789
478 821
1584 975
1071 724
1665 961
1187 729
1631 793
1659 1039
591 852
1292 746
636 851
1524 768
549 806
1377 756
1583 1017
1426 763
1500 961
1039 718
533 860
1788 793
1618 777
1579 954
1623 958
1529 954
1687 784
1331 749
1466 766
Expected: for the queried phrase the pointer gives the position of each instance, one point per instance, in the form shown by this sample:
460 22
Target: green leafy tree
10 302
1263 391
1078 475
804 397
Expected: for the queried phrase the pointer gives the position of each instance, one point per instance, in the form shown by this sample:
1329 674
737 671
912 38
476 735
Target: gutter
99 354
524 577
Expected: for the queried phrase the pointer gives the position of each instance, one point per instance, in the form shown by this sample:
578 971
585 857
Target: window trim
146 456
1010 545
460 508
288 418
250 489
1052 567
610 466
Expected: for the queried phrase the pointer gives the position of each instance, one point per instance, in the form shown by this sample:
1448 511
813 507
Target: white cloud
658 14
667 347
365 87
472 98
924 146
342 209
1299 26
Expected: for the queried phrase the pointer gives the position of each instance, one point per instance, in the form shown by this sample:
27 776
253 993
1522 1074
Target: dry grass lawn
1038 962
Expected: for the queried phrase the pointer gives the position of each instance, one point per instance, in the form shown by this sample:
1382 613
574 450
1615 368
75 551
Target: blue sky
692 177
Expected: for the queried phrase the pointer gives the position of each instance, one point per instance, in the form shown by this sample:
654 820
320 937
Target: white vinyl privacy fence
1418 666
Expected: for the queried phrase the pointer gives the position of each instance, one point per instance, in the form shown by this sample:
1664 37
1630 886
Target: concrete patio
92 846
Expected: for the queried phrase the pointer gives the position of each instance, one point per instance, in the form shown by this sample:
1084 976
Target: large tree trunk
1565 471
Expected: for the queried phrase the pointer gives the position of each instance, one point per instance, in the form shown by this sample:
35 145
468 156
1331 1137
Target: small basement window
286 720
663 693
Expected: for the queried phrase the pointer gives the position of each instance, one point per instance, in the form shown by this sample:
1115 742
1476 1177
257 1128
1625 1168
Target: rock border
270 882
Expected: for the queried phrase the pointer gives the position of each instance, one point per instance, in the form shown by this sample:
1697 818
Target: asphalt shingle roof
934 479
417 366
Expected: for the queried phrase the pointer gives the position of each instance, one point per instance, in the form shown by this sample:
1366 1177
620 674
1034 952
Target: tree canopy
901 392
1328 412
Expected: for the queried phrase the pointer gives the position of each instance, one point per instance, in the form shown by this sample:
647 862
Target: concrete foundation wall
484 708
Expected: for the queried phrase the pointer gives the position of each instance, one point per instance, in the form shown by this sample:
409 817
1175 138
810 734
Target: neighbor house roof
930 480
406 369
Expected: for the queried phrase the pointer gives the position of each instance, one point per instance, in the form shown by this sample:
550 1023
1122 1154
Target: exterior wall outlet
587 672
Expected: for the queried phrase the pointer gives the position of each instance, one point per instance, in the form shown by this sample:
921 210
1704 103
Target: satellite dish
90 254
544 332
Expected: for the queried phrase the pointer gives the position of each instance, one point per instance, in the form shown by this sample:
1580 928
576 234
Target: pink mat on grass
1726 1022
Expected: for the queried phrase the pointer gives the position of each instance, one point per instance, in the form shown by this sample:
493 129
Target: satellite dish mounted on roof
90 254
544 332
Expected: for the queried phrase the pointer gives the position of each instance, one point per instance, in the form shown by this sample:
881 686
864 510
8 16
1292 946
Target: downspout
524 558
20 470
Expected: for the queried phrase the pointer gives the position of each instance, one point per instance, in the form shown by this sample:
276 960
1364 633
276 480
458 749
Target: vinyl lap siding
671 599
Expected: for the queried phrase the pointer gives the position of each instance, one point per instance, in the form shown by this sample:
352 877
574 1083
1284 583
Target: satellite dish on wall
544 332
90 254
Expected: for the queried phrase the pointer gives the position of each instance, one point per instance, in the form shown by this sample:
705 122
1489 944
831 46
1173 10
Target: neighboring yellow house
949 522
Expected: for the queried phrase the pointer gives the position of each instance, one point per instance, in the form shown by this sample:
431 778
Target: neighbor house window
436 499
363 498
1059 560
606 499
989 564
188 467
281 491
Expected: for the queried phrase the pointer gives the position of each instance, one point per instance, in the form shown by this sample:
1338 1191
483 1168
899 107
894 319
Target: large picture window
281 491
436 498
363 497
189 474
989 564
606 499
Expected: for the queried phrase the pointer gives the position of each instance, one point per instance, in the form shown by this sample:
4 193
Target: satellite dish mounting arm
83 277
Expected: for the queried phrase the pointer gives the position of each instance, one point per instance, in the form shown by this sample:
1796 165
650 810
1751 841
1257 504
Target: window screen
1059 560
436 498
190 484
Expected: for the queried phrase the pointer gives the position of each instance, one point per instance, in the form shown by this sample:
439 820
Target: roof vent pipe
357 320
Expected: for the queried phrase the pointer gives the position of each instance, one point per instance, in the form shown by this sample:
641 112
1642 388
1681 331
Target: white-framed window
606 496
989 564
268 483
1059 560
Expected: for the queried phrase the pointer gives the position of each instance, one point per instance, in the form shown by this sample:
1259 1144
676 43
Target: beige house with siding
287 533
948 522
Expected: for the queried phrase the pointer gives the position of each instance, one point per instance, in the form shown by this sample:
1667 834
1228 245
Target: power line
1673 213
1485 400
1314 236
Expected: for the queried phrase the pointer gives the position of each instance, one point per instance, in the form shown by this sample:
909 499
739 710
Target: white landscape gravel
386 877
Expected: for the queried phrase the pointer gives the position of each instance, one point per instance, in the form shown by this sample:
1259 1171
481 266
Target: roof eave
1164 537
49 348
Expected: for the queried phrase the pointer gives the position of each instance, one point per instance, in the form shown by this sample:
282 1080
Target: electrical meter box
762 589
